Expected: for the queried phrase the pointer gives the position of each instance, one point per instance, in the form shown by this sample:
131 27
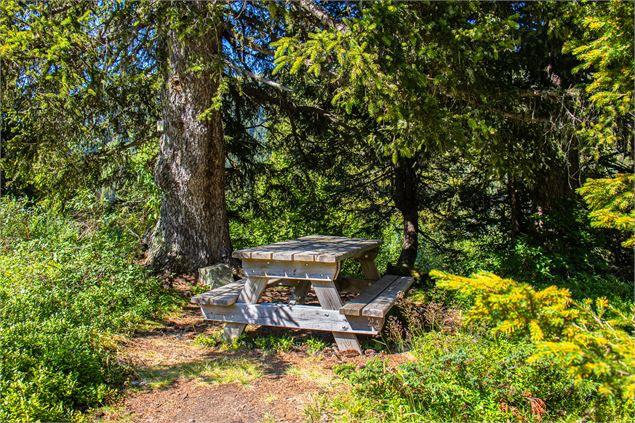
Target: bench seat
378 299
225 295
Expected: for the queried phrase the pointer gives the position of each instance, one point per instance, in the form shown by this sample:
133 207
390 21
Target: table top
318 248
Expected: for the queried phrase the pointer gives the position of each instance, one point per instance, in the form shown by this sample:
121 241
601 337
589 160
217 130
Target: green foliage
513 307
280 343
79 95
284 203
480 95
400 67
611 201
65 289
591 340
566 252
315 345
463 377
606 50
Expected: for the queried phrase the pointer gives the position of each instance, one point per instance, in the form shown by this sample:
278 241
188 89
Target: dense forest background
151 138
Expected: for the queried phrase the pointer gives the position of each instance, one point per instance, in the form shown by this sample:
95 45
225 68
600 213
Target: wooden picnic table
308 262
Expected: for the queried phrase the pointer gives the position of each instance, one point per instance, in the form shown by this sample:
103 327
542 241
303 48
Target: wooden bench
310 262
364 314
378 298
225 295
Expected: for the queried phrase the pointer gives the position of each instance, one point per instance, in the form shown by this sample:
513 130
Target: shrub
591 340
65 289
611 203
463 377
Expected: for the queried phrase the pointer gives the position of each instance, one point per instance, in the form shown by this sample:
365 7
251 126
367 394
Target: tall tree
413 69
192 230
84 85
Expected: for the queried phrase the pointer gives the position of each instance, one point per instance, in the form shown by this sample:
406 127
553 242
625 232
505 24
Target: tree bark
405 198
515 206
192 230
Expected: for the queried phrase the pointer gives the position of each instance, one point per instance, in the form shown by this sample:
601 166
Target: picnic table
310 262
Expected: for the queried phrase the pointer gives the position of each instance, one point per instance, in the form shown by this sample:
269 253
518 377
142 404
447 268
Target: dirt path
181 379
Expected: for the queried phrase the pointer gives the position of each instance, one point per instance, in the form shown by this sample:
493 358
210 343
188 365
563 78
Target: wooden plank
380 306
242 254
367 262
345 253
327 295
292 316
359 250
283 255
279 251
291 269
330 300
356 305
311 248
263 255
252 290
223 295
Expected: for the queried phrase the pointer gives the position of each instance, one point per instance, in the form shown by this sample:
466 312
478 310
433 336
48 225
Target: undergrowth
459 377
66 287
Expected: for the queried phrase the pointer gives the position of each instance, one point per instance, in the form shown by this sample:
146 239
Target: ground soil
172 381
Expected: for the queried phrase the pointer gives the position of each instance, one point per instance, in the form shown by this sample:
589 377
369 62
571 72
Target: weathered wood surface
293 316
274 269
377 300
356 305
250 293
308 261
330 299
314 248
225 295
367 262
345 283
380 306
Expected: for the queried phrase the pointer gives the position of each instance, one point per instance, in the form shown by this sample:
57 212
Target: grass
205 371
275 343
312 371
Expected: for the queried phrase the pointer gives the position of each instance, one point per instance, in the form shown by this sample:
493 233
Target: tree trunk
515 206
193 229
405 198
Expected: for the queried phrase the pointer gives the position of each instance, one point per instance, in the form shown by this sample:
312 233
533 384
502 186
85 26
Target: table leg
330 300
254 287
369 268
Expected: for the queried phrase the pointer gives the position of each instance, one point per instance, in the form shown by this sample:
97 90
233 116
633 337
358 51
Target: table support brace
254 287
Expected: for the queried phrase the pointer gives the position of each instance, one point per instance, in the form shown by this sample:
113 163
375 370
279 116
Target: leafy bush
529 355
592 341
463 377
65 289
611 204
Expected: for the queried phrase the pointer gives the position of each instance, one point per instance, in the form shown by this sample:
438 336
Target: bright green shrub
611 203
591 340
65 289
464 377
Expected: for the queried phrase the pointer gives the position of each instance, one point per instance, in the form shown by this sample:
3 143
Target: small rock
370 351
216 275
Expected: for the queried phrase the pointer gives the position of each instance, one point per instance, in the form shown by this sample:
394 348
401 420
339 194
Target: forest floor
179 380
